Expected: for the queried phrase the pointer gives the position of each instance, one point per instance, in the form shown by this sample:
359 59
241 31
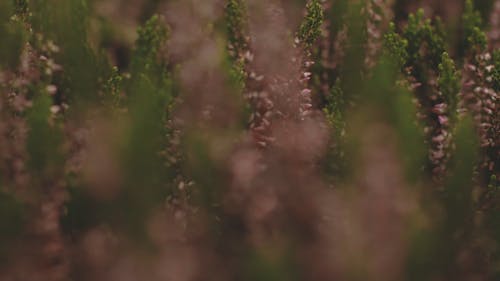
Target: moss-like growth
395 46
473 38
151 38
310 29
477 41
425 41
449 83
113 88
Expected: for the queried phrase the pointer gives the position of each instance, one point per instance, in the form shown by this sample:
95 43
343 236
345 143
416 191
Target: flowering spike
236 22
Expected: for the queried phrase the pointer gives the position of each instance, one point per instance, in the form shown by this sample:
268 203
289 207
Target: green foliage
6 11
12 217
83 211
149 96
414 35
496 71
21 7
113 88
435 43
236 26
449 82
269 267
151 38
146 175
67 27
457 197
12 36
351 69
237 75
396 46
474 38
237 46
226 199
458 191
425 41
44 139
335 115
148 68
336 102
336 15
399 111
434 249
471 18
477 41
310 28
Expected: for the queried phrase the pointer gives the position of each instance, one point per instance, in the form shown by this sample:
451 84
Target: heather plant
247 139
427 69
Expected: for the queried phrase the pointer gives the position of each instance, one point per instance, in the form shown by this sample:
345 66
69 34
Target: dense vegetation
249 140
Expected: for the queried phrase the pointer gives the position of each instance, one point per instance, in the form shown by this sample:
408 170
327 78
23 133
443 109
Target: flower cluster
479 96
481 100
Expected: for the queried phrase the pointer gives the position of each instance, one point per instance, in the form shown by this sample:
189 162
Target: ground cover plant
187 140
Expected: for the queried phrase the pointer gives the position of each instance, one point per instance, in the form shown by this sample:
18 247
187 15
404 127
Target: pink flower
440 108
443 120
